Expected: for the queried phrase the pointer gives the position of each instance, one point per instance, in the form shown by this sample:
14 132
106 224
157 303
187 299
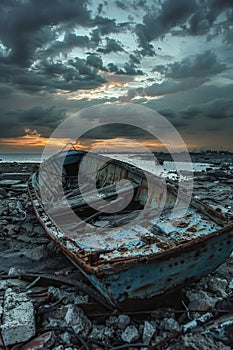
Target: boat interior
144 218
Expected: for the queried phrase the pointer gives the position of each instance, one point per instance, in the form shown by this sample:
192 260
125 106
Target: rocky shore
66 316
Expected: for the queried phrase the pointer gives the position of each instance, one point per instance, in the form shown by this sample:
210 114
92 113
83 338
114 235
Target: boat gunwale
100 267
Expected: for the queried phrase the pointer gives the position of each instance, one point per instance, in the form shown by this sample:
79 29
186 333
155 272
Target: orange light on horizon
35 141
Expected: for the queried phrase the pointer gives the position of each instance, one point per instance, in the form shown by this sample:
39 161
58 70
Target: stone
218 286
170 324
130 334
3 193
198 341
76 318
28 227
231 284
111 321
123 321
148 332
109 332
97 332
18 322
13 272
197 297
66 338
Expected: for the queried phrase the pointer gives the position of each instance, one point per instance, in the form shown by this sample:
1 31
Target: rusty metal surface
141 260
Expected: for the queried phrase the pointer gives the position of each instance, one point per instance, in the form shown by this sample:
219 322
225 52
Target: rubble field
45 303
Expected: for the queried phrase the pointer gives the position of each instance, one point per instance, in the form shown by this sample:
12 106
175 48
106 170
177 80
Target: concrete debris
198 297
198 342
130 334
218 286
148 332
123 321
76 318
97 332
18 323
170 324
25 248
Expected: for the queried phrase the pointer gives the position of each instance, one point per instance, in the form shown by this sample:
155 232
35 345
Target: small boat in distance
133 252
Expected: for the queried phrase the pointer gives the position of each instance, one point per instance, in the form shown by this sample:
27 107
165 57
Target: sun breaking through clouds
174 56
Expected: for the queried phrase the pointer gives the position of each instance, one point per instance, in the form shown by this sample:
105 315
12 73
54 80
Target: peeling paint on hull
137 262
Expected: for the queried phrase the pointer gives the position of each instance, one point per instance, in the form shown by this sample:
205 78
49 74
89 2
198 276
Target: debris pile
46 303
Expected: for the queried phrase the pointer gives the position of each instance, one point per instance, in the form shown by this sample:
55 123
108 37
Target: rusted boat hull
137 274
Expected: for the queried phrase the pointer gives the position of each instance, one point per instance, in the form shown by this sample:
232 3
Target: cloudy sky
60 56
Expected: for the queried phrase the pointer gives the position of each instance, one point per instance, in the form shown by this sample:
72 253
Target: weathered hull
145 274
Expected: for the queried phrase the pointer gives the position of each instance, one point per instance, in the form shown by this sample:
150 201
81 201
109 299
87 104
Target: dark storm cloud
129 69
213 115
228 36
14 122
111 46
69 42
182 17
134 58
95 61
172 86
157 24
202 65
5 91
121 5
114 130
96 36
167 113
27 25
190 112
219 108
49 75
108 25
216 7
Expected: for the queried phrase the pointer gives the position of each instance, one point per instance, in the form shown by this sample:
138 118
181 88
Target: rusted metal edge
81 258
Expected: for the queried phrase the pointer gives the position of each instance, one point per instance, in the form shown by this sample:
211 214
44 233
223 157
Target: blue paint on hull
146 280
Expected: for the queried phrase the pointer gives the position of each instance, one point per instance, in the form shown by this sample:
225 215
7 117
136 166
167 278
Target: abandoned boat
133 253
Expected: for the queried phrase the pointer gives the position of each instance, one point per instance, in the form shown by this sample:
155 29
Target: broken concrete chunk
18 323
123 321
148 332
218 286
130 334
76 318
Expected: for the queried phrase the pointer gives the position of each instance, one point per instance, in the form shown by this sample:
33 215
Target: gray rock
28 227
123 321
148 332
97 332
198 341
3 193
170 324
109 332
130 334
66 338
198 297
111 321
231 284
76 318
218 286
